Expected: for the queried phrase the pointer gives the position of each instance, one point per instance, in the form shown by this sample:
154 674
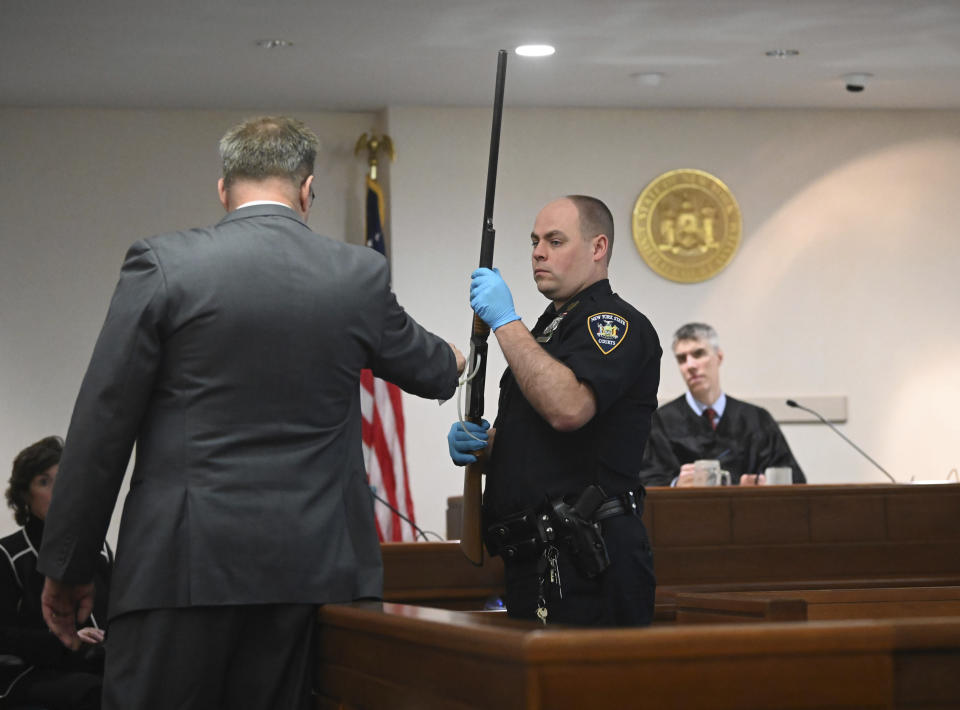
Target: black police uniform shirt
613 348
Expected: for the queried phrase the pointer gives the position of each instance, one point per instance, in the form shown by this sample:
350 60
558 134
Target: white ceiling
364 55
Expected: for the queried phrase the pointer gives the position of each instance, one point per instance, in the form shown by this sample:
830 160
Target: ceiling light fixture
535 50
653 78
857 82
781 53
274 43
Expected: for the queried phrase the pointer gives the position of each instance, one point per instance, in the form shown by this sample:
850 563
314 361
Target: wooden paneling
739 607
925 513
818 604
871 559
927 680
691 521
848 519
730 538
784 519
805 536
395 656
437 574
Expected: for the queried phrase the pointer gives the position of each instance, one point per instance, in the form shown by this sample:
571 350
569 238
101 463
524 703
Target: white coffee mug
706 472
778 475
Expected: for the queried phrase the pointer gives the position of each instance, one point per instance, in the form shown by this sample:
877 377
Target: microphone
419 530
792 403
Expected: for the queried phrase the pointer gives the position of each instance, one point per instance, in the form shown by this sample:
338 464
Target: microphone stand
416 527
792 403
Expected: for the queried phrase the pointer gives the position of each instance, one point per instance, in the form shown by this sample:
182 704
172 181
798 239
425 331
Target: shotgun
471 538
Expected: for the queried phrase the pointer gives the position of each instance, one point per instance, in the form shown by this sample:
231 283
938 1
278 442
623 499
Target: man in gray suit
231 356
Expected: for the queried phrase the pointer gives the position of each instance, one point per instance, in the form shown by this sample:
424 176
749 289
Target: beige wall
844 283
77 187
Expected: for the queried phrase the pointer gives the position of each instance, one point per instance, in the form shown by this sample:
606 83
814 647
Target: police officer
563 500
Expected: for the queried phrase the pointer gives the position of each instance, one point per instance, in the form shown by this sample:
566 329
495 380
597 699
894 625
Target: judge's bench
768 597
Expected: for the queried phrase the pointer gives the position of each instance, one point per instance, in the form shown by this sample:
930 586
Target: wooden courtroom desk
805 536
817 604
393 656
751 538
771 542
437 574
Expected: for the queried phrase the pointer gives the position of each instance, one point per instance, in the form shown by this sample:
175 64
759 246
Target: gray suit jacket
231 356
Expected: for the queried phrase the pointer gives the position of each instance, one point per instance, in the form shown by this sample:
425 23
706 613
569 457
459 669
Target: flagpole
382 409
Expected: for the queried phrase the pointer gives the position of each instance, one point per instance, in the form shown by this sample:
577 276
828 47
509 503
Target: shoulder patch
608 330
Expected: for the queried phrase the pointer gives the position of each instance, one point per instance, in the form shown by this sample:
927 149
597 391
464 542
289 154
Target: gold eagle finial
373 144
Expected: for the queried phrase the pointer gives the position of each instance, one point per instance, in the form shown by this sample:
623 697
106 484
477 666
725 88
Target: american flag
382 409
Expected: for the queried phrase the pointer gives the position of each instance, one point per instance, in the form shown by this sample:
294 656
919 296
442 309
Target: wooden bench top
396 656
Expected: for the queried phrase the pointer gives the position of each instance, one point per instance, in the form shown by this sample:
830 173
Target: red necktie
711 417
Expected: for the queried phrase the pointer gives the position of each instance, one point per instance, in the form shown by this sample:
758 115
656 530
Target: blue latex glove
490 298
462 445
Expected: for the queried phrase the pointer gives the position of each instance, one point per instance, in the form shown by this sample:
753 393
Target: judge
705 423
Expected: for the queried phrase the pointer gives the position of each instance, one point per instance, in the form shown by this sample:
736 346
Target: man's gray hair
697 331
268 146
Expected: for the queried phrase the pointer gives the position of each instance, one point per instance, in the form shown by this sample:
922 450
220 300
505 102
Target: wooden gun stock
471 534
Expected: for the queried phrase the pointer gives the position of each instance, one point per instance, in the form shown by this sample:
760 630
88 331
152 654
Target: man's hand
753 479
490 298
686 477
91 635
461 360
64 605
463 447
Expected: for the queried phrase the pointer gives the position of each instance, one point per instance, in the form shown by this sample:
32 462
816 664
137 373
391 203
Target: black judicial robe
747 440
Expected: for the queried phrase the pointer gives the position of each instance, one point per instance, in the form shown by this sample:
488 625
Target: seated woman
38 669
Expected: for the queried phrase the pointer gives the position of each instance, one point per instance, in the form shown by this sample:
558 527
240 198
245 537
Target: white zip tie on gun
460 385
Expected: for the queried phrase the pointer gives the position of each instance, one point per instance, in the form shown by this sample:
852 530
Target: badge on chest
548 332
551 328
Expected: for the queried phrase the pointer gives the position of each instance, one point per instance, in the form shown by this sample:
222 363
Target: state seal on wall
687 225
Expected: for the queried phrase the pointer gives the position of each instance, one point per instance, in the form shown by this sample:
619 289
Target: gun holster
577 529
525 535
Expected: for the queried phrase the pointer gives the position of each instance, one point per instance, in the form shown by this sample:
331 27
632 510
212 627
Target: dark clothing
622 596
611 347
231 356
46 689
747 440
49 672
531 460
263 655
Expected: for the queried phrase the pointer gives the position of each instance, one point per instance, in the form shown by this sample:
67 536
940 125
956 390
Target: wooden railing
842 597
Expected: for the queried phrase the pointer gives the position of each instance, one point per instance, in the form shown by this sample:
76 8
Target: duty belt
623 504
525 535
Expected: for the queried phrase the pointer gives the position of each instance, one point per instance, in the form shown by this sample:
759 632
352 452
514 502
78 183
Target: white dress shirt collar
699 408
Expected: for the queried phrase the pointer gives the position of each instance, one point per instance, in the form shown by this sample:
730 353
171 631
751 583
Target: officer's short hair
697 331
595 218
